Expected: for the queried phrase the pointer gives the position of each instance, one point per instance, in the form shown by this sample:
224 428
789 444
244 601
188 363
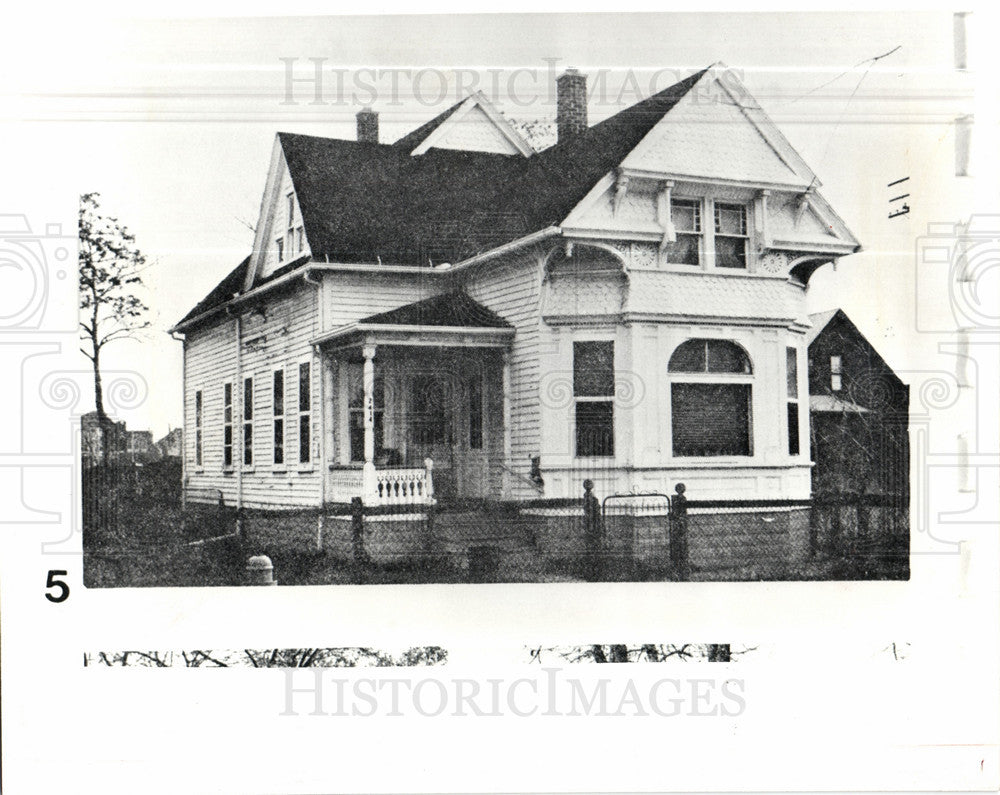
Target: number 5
52 582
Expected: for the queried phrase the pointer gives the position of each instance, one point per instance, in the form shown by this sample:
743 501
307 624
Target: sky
172 122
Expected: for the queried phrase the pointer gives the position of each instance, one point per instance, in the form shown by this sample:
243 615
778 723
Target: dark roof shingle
448 309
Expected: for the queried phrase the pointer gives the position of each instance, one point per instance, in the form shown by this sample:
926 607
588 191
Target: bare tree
110 264
644 652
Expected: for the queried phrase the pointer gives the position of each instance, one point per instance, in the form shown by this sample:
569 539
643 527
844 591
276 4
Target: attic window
730 236
685 214
290 236
836 374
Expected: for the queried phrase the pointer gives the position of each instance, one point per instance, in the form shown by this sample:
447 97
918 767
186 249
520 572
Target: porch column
505 476
368 381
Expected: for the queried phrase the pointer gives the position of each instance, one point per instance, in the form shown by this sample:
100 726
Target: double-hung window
278 415
792 388
685 215
248 421
730 235
198 405
305 404
836 374
593 394
227 425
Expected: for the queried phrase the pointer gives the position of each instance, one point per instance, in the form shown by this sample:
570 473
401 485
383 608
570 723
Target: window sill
228 470
248 470
305 470
279 470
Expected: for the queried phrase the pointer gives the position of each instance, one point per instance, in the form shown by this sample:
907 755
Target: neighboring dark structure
858 412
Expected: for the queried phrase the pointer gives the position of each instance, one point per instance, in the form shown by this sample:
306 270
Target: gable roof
231 284
448 309
819 320
412 140
446 126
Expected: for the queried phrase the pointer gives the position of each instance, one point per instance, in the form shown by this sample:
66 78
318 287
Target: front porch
414 404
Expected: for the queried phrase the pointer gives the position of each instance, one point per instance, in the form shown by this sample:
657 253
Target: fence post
358 530
429 532
320 520
592 530
678 534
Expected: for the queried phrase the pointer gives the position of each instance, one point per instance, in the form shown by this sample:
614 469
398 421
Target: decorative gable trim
477 100
265 218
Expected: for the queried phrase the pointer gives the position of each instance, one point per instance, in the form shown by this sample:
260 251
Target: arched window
711 399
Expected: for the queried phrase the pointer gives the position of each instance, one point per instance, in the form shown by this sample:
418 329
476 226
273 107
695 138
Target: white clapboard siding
278 337
353 296
510 288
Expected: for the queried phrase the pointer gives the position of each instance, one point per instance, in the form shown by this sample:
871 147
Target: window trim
280 248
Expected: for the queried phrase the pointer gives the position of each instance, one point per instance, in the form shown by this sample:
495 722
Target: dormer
472 125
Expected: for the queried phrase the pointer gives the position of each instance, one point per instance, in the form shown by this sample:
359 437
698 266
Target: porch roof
452 319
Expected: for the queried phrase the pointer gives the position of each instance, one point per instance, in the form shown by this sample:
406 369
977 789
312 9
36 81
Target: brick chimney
367 126
571 104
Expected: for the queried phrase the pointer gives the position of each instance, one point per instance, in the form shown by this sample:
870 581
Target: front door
446 423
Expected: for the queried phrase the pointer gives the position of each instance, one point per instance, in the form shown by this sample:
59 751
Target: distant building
139 446
95 439
171 445
858 411
123 445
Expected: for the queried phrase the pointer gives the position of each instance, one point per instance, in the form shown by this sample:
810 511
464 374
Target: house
139 447
457 315
98 442
858 411
171 445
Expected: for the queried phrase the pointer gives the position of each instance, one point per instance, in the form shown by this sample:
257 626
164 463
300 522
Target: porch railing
385 486
403 486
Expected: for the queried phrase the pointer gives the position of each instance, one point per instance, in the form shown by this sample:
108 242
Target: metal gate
636 533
